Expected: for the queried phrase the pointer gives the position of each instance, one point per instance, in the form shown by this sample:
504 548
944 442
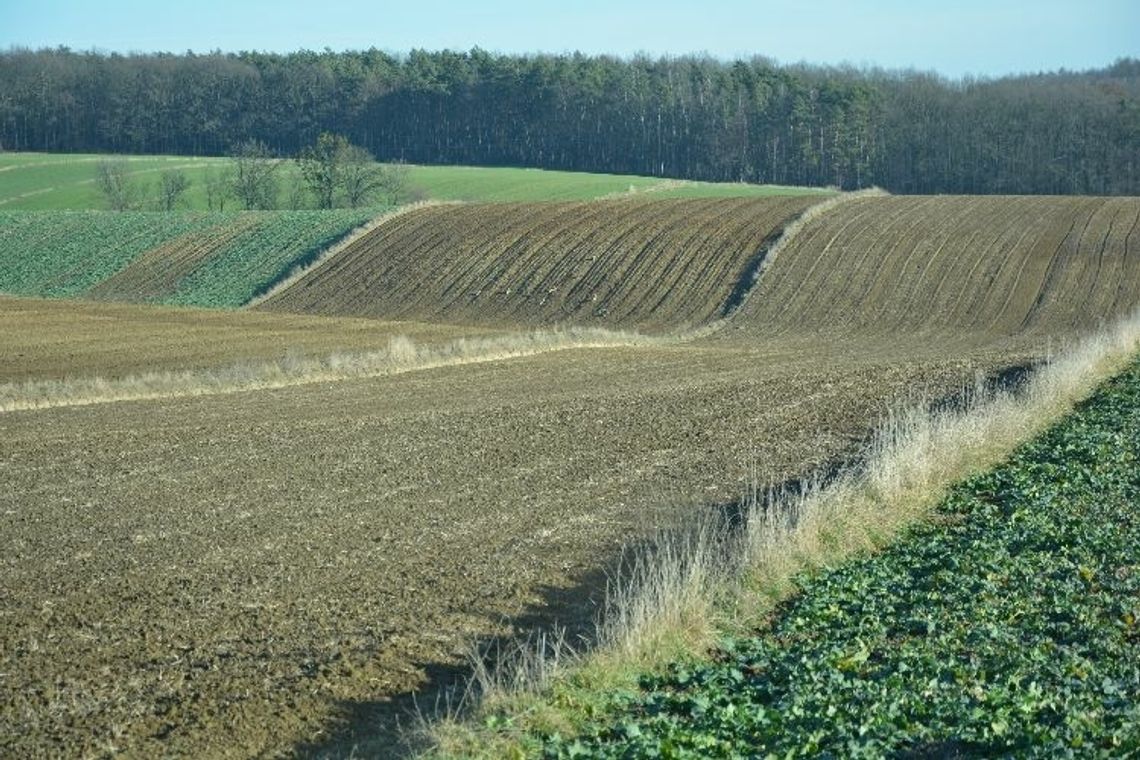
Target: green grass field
43 182
38 181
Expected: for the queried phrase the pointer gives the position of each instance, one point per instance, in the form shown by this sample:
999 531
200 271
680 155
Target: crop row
157 274
990 265
65 253
191 258
262 254
622 262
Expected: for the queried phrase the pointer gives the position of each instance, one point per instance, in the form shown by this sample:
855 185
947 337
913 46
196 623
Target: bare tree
322 167
219 187
296 192
254 181
115 184
337 172
361 177
172 184
393 181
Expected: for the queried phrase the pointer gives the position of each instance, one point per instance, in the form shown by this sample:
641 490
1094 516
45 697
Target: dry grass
54 339
789 233
326 548
766 258
710 577
915 456
401 355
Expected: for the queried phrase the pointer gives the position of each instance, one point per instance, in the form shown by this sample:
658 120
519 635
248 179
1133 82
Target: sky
952 37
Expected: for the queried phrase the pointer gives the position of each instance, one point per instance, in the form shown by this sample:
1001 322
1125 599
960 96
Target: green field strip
70 253
45 181
39 181
261 256
61 254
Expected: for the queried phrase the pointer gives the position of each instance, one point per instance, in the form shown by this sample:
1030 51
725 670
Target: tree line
332 173
686 117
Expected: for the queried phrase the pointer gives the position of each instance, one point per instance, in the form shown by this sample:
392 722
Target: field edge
702 583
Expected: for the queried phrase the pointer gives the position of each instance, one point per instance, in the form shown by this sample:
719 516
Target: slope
186 258
628 263
986 267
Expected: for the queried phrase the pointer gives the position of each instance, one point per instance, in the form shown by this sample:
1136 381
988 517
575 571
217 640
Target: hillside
953 265
1004 627
627 263
189 258
983 268
66 181
322 549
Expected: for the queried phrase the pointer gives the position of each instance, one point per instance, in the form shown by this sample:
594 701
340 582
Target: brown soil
44 339
628 263
992 266
239 575
270 573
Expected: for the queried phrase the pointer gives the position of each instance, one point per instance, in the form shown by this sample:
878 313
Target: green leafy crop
65 253
255 260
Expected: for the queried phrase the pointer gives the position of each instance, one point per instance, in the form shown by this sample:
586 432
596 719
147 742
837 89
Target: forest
689 117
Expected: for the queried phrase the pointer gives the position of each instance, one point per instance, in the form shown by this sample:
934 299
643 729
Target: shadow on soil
385 728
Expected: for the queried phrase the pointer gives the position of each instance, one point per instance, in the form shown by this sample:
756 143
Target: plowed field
251 574
646 264
242 574
986 266
44 339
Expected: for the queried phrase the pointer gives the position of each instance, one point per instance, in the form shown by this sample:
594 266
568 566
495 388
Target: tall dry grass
401 355
717 575
916 455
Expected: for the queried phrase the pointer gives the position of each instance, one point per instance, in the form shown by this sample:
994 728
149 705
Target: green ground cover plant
68 253
257 259
61 254
1007 625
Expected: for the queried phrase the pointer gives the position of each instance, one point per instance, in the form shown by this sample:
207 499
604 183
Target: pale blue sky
983 37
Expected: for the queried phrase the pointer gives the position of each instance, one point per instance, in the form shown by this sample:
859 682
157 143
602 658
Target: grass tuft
401 355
